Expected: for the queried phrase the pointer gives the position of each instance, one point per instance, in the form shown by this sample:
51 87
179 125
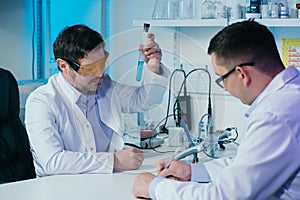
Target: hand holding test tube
139 70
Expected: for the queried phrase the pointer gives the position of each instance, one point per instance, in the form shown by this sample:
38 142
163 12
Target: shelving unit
201 30
290 22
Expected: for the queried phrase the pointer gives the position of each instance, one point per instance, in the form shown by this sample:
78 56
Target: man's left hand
141 184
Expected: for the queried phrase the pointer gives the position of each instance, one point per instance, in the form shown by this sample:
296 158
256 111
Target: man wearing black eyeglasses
74 122
267 164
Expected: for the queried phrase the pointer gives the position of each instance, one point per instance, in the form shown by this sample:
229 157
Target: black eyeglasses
73 64
220 81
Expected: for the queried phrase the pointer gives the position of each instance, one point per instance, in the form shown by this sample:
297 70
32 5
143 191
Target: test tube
139 69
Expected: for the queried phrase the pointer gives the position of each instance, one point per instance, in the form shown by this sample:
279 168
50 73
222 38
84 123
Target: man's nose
100 72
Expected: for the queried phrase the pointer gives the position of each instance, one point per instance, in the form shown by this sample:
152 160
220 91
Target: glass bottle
273 7
220 10
208 10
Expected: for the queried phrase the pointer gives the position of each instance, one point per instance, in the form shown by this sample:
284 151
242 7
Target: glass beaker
173 9
131 133
160 9
186 9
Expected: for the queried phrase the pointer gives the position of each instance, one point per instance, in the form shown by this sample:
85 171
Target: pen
171 159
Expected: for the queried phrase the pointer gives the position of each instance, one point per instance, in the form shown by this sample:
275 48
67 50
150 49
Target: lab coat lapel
109 113
83 127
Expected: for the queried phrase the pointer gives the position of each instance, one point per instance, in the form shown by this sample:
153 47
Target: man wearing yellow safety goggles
74 121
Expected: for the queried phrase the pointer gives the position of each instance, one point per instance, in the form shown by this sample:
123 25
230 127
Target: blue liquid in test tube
139 69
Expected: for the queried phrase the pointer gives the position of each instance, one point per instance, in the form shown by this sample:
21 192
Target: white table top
85 186
82 186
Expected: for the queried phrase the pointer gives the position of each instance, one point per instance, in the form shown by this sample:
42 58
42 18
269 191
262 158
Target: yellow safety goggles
90 69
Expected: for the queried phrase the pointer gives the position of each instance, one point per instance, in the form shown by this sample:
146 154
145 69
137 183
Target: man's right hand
177 170
128 159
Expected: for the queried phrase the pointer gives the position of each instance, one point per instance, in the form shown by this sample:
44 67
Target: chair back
16 162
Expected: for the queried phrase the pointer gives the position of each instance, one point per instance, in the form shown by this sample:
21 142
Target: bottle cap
146 27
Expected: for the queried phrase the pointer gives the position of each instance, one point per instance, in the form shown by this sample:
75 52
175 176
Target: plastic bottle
236 11
252 6
284 12
293 9
273 6
264 9
283 8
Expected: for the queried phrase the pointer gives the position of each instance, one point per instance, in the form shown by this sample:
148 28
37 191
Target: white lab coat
267 165
61 138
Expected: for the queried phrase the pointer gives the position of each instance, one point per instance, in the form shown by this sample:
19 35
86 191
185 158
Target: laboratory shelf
289 22
183 23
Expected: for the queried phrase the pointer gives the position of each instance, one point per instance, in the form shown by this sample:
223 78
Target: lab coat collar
277 83
72 93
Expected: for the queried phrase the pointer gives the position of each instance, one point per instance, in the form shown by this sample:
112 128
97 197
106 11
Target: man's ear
244 75
62 64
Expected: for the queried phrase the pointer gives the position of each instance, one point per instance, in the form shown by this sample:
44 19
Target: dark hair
246 41
75 41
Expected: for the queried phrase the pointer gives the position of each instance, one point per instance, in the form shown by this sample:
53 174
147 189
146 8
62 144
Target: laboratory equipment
274 9
173 9
220 10
264 9
131 133
236 11
186 9
201 130
160 10
252 6
208 10
139 70
210 144
187 133
190 151
176 136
